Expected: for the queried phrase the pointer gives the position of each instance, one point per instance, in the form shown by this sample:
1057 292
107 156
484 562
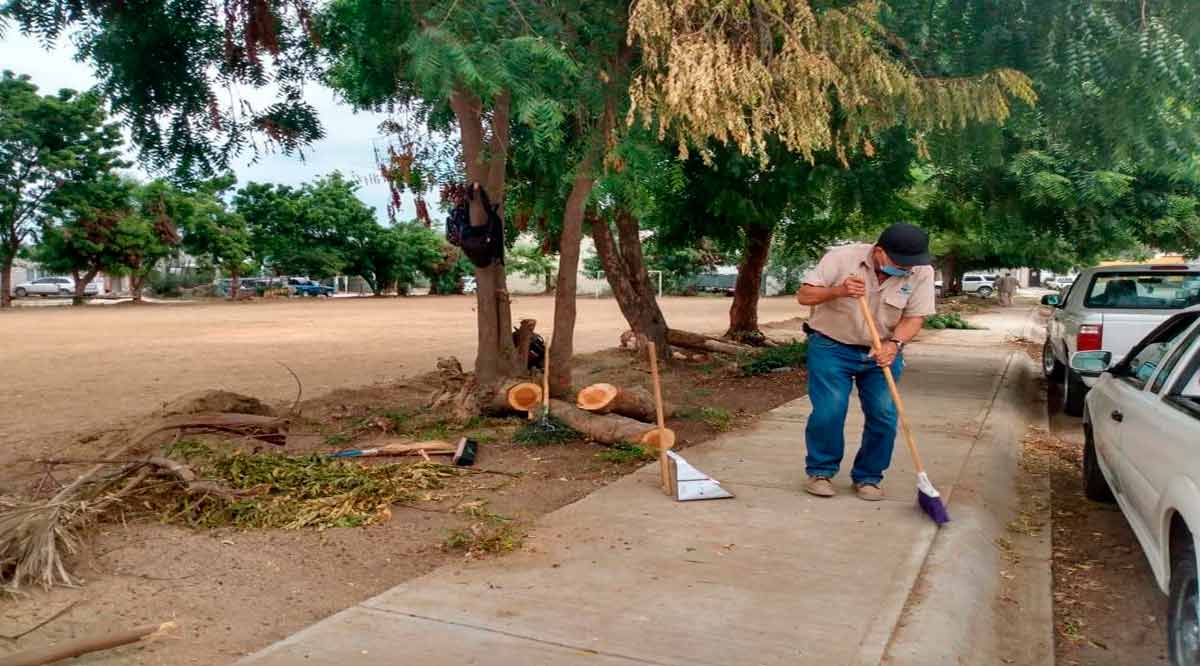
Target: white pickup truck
1110 309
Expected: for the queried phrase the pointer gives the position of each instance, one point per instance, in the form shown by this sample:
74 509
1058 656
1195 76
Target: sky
347 145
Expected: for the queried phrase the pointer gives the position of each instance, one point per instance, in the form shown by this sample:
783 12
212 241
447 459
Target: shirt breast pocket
893 308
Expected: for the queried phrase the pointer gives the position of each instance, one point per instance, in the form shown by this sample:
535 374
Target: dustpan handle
891 382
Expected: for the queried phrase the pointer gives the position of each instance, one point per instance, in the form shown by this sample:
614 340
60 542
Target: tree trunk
562 348
606 428
136 282
496 356
81 284
951 283
743 314
523 340
626 273
235 284
6 265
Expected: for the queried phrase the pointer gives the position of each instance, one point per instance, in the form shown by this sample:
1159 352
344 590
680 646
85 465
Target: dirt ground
1108 610
233 591
68 371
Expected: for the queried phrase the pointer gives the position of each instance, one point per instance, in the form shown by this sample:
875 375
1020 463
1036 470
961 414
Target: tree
395 257
532 262
217 235
149 235
47 143
84 238
308 230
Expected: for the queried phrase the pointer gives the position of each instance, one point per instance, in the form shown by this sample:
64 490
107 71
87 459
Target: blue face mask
895 271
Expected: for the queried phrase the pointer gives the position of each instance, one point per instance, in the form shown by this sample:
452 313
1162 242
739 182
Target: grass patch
787 356
626 453
716 418
952 320
489 534
554 432
286 492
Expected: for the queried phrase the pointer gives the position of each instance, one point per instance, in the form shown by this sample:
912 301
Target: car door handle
1117 415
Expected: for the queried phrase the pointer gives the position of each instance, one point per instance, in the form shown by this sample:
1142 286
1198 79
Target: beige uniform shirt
890 300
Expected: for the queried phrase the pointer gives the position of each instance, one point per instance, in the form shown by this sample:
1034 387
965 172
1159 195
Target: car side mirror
1051 299
1090 363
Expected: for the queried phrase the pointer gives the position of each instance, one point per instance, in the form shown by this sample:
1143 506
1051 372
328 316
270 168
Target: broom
927 496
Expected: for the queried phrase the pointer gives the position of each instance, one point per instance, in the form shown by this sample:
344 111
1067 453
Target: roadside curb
984 594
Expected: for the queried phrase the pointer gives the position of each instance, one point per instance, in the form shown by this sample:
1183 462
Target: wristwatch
899 344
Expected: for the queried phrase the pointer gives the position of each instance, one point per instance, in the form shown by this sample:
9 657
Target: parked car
307 287
1141 428
1059 282
52 286
980 285
469 285
1110 309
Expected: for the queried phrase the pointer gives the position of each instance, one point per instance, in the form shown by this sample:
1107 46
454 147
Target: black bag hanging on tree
483 244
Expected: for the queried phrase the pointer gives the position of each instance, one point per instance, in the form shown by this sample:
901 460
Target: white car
469 285
1141 432
52 286
980 285
1110 309
1060 282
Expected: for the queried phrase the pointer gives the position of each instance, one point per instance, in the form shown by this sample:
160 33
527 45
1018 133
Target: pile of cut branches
196 485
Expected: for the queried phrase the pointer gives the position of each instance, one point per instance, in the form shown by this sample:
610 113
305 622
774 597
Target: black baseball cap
906 245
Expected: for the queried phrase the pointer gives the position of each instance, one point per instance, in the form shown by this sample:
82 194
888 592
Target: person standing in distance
896 277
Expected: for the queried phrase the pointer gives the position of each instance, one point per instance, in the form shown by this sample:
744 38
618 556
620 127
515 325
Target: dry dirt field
74 373
72 370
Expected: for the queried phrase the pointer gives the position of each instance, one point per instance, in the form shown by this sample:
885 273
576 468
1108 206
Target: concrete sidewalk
627 576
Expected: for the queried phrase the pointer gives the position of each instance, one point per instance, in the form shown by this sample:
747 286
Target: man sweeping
895 276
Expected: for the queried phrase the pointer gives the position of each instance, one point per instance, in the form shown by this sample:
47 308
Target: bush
947 320
788 356
165 285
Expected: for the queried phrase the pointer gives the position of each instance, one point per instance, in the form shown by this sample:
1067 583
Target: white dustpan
689 483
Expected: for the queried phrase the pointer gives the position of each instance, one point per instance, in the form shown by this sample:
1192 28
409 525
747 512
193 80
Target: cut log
659 438
81 646
523 396
634 402
603 428
699 342
515 395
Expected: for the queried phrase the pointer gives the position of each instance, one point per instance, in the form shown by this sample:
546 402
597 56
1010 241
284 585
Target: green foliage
489 533
947 320
53 150
165 285
791 355
212 232
530 261
167 67
286 492
717 418
623 454
553 431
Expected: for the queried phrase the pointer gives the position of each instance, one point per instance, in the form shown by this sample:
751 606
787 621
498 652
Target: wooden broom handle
891 382
658 404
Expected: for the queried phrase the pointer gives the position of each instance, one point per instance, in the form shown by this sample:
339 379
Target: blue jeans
832 368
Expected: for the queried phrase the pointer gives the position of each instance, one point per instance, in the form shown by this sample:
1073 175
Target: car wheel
1183 625
984 292
20 292
1095 486
1075 391
1051 368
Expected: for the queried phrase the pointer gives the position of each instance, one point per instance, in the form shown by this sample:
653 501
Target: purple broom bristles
930 501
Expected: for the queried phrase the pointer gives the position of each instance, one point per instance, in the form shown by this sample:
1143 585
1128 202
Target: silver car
1110 309
52 286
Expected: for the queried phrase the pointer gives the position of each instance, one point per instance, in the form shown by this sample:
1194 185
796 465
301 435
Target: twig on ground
299 388
39 625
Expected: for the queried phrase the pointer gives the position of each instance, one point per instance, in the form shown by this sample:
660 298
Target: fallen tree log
634 402
81 646
603 428
699 342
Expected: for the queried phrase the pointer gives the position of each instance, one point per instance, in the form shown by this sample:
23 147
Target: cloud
347 146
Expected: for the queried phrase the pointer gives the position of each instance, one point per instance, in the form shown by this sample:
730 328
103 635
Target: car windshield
1144 290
